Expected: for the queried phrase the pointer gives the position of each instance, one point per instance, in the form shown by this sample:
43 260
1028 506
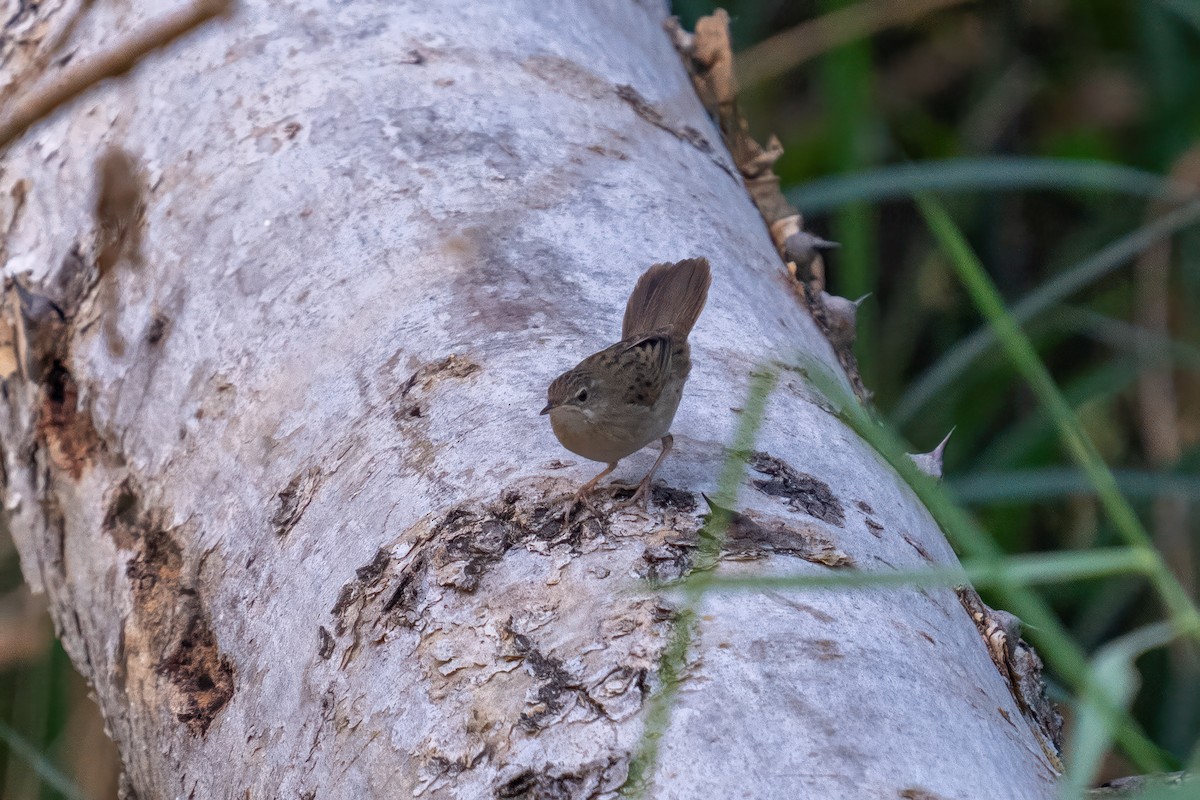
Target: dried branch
42 102
772 57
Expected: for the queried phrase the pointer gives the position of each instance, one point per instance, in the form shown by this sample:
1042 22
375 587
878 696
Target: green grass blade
51 775
1026 570
980 175
951 366
1046 483
1172 787
1057 647
1025 359
1117 680
671 663
1187 10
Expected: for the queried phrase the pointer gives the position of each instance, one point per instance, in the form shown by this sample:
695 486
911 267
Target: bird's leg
643 489
581 496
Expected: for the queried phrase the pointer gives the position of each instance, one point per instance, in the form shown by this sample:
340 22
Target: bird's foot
640 497
580 498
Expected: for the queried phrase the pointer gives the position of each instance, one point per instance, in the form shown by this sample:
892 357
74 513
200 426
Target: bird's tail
668 295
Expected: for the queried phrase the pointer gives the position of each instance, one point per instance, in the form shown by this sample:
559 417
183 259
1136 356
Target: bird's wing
646 365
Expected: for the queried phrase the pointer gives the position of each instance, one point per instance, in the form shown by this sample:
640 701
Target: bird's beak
546 410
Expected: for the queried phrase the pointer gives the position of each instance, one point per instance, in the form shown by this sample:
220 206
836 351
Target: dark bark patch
325 643
294 499
803 492
463 559
921 551
608 152
669 559
874 527
120 204
156 573
457 550
685 133
825 649
425 378
157 331
864 507
120 217
555 686
567 76
201 676
460 550
64 427
355 595
559 782
678 499
917 793
121 516
36 336
553 682
370 572
525 784
41 330
168 621
748 537
360 587
406 595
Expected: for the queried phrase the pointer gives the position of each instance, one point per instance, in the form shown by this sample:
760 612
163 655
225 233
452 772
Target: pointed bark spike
931 463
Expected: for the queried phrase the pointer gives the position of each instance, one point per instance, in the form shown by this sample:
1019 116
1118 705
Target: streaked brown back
668 296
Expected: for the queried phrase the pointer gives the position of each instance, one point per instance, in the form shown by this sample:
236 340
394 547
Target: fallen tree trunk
271 441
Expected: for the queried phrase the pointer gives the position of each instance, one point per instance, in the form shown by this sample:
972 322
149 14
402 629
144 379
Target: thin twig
51 49
42 102
785 51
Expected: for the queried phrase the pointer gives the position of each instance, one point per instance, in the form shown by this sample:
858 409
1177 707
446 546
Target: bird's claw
579 498
640 498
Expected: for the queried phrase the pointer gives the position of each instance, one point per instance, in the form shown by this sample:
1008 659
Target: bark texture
271 375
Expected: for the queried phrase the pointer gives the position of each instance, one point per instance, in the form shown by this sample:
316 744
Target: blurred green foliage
50 733
1044 127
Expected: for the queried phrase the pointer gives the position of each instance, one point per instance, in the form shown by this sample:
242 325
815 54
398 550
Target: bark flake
750 536
294 500
559 782
802 492
1021 667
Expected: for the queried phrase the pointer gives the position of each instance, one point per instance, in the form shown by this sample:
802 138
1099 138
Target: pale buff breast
608 435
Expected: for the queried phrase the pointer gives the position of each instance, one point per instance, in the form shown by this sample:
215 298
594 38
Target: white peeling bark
279 465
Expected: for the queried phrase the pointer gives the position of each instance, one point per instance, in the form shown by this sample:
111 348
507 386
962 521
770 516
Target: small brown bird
617 401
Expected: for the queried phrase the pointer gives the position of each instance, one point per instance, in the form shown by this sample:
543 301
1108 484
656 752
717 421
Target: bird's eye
582 396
